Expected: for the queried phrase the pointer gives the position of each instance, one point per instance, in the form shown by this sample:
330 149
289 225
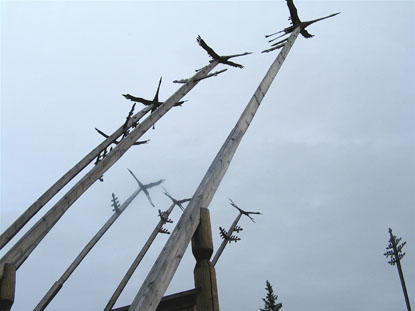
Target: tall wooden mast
158 279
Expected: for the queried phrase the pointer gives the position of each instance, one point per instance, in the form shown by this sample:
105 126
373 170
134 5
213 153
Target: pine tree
270 301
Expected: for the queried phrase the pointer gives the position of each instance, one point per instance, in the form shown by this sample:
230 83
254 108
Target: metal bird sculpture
244 212
295 22
117 142
147 102
177 202
220 59
147 186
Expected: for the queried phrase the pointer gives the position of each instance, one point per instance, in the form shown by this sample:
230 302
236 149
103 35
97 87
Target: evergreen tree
270 301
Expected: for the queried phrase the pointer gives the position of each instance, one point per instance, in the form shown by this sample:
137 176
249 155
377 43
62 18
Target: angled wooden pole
224 242
18 224
158 279
24 247
137 261
59 283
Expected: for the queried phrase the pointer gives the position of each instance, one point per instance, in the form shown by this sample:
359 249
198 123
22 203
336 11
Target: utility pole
164 218
158 279
118 210
394 250
24 247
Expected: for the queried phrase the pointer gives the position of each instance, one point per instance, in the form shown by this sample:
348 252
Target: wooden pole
204 272
225 242
136 262
158 279
59 283
23 248
7 287
18 224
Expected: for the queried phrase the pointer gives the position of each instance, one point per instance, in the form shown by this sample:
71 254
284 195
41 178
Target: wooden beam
136 262
18 224
158 279
59 283
24 247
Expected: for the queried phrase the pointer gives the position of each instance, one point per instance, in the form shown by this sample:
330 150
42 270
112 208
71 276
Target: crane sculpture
295 23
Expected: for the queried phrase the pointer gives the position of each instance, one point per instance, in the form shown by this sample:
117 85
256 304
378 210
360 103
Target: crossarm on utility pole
23 248
58 284
136 262
158 279
18 224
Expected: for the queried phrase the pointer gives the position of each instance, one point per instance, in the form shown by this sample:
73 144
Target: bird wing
156 97
153 184
207 48
102 133
306 34
139 142
142 187
148 197
167 194
138 99
257 213
250 217
293 12
236 55
106 136
233 204
232 64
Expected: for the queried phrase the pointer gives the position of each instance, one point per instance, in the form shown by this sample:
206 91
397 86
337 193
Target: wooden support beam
204 272
225 242
136 262
24 247
18 224
59 283
7 287
158 279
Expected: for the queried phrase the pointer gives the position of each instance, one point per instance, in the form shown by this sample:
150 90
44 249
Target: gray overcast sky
329 159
